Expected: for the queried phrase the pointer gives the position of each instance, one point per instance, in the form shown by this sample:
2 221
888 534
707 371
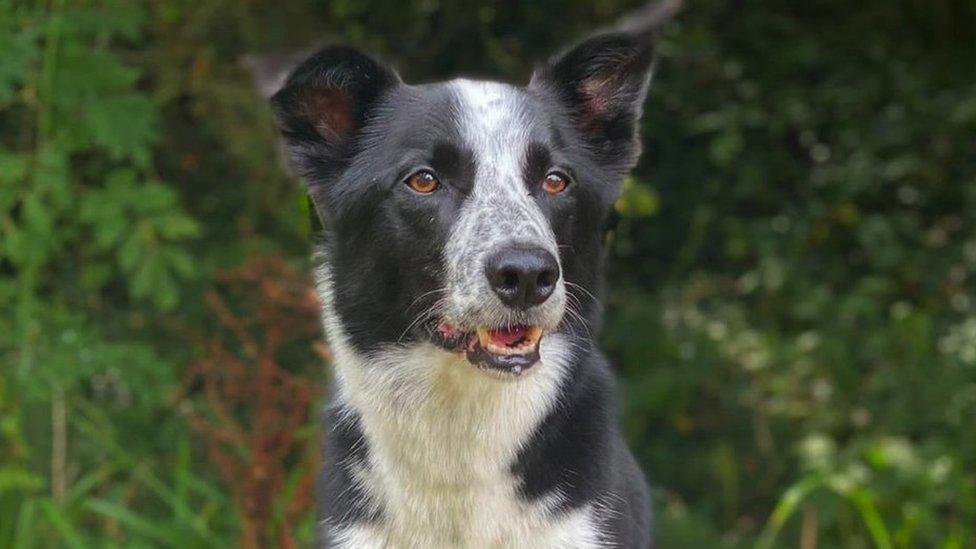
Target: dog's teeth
484 337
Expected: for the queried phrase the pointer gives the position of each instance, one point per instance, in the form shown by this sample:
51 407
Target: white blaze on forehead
495 125
488 108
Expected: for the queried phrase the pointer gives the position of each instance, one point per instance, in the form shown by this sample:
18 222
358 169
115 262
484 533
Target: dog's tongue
508 336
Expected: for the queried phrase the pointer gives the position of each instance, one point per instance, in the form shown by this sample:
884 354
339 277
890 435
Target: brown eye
554 183
423 182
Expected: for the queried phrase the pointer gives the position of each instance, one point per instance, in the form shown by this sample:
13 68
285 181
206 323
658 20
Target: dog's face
466 214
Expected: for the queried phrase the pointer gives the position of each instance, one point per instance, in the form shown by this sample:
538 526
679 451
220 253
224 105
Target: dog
459 266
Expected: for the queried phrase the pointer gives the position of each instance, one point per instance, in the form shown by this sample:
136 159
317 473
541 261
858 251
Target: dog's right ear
325 101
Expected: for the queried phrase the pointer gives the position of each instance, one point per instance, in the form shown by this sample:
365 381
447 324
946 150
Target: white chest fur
442 437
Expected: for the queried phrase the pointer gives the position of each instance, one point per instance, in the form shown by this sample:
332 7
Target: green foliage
137 221
813 320
790 303
81 214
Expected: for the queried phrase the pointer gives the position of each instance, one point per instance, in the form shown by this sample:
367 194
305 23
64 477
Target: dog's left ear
602 82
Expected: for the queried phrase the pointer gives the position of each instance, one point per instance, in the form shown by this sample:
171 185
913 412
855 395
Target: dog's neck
431 414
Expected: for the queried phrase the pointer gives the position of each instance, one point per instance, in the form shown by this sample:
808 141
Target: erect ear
325 101
602 82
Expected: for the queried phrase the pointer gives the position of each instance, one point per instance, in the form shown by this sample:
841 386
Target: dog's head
464 213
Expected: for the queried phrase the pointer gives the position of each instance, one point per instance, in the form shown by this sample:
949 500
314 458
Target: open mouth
507 349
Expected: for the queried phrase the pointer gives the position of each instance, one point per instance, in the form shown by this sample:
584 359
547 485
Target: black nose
522 276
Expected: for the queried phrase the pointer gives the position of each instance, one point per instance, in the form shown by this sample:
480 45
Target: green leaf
19 48
788 503
176 226
56 516
865 505
107 19
125 125
98 106
726 146
637 200
154 530
12 478
13 168
24 531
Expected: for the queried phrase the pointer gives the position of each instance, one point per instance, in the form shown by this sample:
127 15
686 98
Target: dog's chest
442 439
473 527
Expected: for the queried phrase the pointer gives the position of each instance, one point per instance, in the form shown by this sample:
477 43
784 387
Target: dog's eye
423 182
554 183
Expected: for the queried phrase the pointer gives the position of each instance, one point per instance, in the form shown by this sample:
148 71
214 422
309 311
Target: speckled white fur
499 211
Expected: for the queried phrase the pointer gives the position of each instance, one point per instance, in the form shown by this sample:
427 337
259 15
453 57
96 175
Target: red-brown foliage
251 395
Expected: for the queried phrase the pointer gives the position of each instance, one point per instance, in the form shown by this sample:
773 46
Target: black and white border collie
461 254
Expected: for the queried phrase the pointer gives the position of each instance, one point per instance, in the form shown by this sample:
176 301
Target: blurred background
790 307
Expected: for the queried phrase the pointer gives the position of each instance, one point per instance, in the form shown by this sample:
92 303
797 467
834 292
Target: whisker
586 292
423 295
575 315
424 315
